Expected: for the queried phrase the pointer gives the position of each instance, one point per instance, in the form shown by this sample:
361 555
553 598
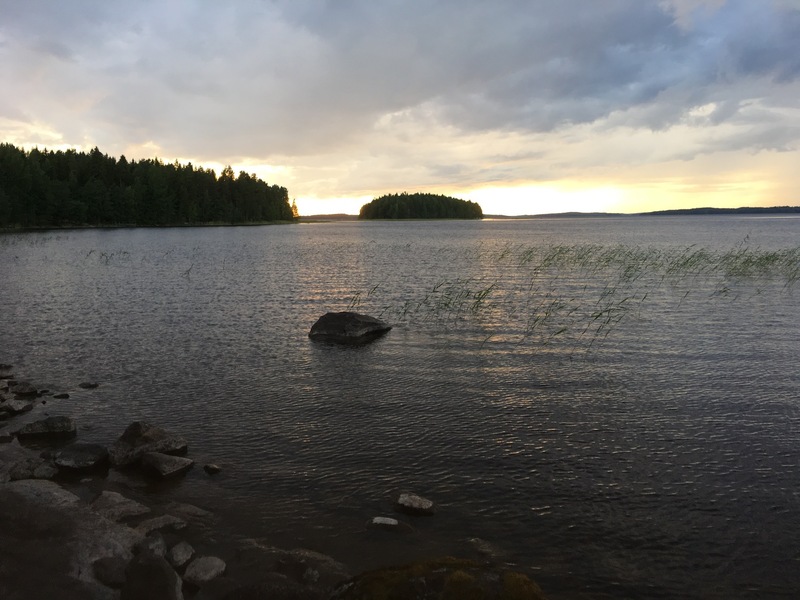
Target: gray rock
49 428
80 456
212 469
61 396
24 388
15 406
140 438
151 578
347 328
158 523
389 524
152 544
42 493
412 504
180 554
88 385
110 571
203 569
165 466
17 463
116 507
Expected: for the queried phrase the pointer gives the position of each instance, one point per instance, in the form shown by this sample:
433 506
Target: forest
420 206
41 188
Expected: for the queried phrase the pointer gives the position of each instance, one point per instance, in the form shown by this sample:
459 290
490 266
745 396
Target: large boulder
347 328
140 438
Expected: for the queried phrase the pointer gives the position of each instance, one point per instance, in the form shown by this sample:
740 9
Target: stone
412 504
141 437
49 428
212 469
153 543
110 571
165 466
150 577
81 456
180 554
15 406
24 388
203 569
88 385
43 492
347 328
158 523
61 396
116 507
389 524
18 463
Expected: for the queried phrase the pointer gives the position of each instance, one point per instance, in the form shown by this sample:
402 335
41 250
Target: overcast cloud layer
348 98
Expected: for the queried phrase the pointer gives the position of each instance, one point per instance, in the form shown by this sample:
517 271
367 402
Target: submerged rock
389 524
347 328
115 506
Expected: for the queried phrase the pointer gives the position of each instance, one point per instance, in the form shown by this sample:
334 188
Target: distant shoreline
770 210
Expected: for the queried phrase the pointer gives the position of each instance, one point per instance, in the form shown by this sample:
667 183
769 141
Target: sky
524 106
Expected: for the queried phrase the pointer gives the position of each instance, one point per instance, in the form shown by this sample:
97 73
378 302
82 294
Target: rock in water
164 465
414 505
80 456
204 569
50 428
347 328
140 438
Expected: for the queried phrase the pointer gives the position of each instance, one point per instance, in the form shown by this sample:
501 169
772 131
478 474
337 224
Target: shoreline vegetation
43 189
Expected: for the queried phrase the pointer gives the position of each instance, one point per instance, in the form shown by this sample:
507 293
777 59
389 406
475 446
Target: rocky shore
67 530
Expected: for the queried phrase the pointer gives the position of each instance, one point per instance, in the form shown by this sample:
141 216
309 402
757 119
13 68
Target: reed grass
581 292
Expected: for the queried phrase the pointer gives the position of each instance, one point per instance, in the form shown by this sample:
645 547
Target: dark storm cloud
260 78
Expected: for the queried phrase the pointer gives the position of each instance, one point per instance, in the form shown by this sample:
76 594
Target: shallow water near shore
591 400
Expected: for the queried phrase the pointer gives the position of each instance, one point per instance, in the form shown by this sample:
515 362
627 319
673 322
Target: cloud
351 93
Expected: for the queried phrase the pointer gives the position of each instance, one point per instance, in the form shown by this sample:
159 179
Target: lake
611 405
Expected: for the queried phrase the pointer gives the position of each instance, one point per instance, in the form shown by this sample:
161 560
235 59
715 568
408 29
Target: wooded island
420 206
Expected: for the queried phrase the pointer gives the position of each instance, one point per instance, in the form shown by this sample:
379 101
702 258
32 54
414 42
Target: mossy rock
440 579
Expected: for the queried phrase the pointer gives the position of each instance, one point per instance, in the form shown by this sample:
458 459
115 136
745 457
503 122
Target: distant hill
758 210
420 206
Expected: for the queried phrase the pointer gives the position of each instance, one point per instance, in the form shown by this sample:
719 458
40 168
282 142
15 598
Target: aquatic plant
582 292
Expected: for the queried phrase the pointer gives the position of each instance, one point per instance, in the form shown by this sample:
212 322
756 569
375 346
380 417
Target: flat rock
81 456
347 328
158 523
389 524
140 438
203 569
165 466
50 428
24 388
88 385
411 504
116 507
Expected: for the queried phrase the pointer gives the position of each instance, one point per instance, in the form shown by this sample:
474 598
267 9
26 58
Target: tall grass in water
580 292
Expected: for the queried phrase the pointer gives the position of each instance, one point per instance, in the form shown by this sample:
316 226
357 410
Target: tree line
420 206
41 188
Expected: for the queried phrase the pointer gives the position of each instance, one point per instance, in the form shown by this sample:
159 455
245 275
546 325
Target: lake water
611 405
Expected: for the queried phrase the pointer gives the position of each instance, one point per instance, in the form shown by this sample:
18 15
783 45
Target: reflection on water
619 428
